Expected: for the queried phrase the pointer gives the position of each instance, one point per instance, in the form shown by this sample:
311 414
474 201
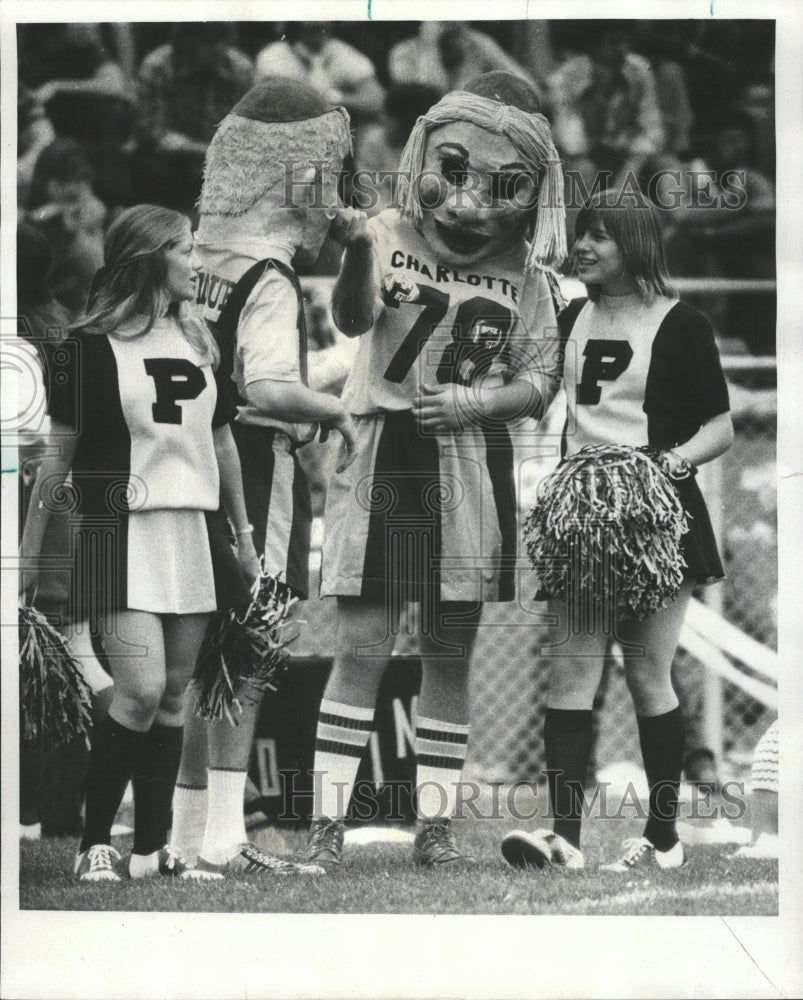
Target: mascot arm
355 292
293 402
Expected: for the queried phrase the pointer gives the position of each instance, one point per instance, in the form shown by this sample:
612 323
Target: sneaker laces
173 859
439 833
634 848
328 834
101 857
269 861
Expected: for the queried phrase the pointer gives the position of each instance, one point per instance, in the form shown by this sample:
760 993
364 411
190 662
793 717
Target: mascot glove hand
349 226
348 431
440 409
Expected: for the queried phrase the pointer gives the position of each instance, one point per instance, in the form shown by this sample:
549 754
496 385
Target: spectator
68 58
342 73
447 56
51 778
186 88
738 240
65 209
34 132
605 108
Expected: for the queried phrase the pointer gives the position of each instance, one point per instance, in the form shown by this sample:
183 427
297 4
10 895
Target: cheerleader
641 368
138 418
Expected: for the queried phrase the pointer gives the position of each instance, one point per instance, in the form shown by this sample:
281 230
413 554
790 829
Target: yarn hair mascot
452 305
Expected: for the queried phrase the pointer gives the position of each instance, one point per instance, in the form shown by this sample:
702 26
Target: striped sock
225 815
441 752
343 732
189 821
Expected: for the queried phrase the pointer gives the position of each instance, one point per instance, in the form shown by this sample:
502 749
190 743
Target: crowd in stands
112 115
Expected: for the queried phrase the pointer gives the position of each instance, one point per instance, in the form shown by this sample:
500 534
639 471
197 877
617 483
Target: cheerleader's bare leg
134 643
660 721
576 661
151 659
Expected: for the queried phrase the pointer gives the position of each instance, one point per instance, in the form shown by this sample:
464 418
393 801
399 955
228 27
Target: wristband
247 530
682 470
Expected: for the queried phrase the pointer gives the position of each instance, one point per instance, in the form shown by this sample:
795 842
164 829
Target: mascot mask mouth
278 131
474 171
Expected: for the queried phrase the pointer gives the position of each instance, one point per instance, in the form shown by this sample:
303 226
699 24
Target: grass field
380 878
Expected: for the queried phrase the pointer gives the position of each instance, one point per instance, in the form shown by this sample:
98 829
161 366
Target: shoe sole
209 873
522 852
100 877
423 862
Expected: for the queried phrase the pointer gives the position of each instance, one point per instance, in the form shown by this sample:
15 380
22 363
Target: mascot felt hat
279 125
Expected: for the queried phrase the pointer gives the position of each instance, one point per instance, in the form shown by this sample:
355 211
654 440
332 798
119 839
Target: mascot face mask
479 175
484 193
271 167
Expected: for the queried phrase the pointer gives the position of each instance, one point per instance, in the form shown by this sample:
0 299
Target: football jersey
436 323
638 373
144 409
268 344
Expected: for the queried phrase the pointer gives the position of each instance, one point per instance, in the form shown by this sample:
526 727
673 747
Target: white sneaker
766 846
640 854
543 847
169 864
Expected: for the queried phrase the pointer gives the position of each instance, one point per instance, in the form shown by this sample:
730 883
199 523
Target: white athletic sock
441 751
189 821
140 865
225 815
342 735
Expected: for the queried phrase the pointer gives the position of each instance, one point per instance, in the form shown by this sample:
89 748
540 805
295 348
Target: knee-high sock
568 735
343 733
441 752
115 749
154 779
189 820
661 738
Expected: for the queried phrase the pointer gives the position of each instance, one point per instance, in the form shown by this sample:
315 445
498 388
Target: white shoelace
634 848
102 857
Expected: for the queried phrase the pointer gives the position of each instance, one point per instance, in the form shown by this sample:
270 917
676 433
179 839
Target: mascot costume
452 296
268 199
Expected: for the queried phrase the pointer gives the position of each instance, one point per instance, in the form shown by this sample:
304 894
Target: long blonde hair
128 293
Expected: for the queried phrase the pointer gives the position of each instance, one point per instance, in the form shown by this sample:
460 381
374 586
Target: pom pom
249 648
55 699
608 522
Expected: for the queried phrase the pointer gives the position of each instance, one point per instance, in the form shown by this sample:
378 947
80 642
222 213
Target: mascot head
480 171
273 162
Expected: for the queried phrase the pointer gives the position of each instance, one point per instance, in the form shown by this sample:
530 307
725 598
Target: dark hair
634 225
130 287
